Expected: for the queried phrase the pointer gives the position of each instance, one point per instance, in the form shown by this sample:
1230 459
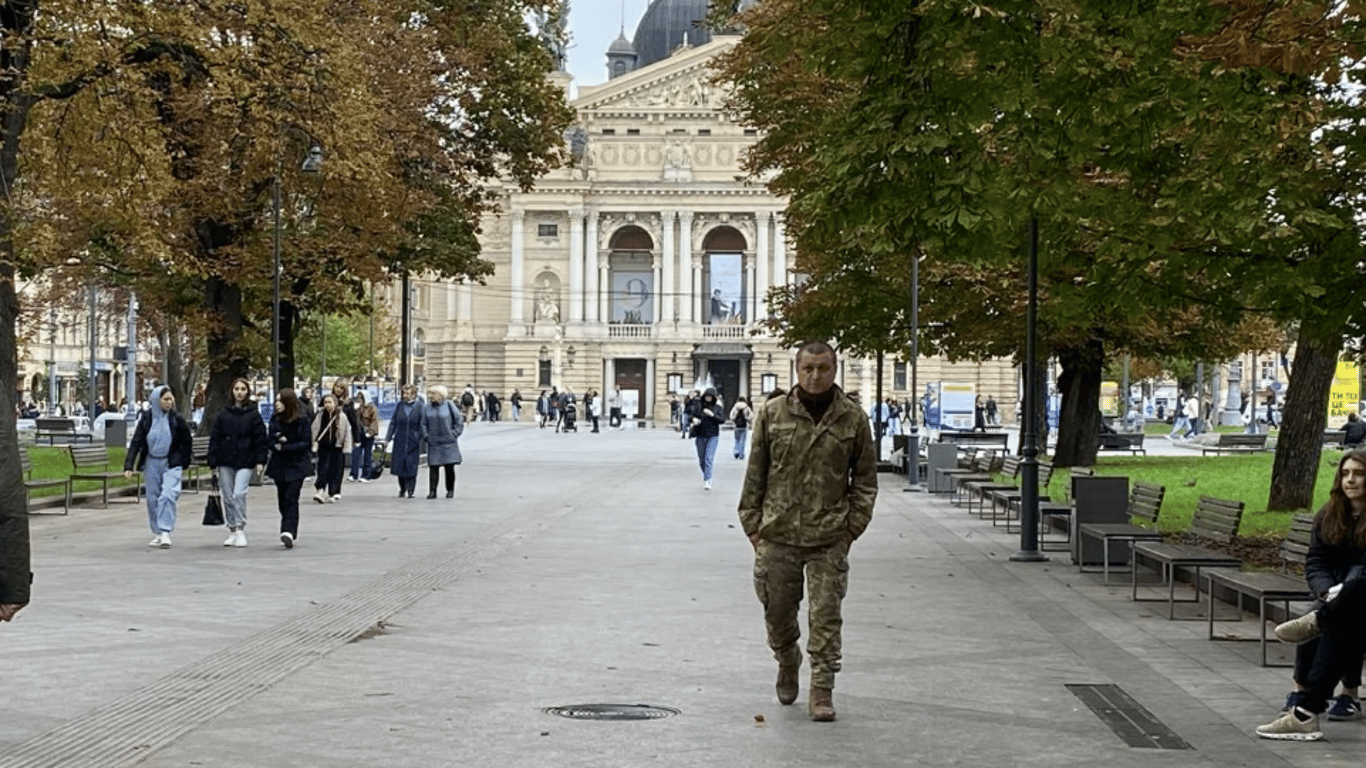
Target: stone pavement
578 569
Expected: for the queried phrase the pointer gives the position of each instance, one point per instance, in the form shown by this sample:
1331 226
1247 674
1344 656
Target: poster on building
633 296
725 304
1345 395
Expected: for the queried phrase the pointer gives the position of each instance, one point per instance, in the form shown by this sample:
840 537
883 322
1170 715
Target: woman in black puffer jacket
237 448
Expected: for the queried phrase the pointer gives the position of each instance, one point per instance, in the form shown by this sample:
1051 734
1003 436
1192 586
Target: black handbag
213 507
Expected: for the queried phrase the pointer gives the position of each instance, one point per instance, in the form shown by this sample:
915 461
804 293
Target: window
632 131
751 132
899 375
609 131
678 131
543 373
703 131
1268 370
547 230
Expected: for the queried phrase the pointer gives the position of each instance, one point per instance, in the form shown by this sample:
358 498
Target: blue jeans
1180 425
740 435
232 488
360 458
706 453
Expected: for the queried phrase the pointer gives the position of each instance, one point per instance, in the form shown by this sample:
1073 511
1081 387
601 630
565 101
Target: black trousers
407 485
287 497
1340 647
433 474
329 470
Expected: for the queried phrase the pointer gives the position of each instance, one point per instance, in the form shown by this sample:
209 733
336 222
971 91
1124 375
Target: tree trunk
1302 421
1079 420
227 361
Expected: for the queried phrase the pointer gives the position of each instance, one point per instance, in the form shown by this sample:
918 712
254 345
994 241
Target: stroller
569 414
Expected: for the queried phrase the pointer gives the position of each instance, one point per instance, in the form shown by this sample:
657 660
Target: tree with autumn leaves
1174 155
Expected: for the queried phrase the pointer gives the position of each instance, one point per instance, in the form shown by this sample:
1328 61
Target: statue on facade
547 304
678 162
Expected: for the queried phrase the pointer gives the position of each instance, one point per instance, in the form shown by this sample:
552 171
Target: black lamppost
1029 445
312 165
913 439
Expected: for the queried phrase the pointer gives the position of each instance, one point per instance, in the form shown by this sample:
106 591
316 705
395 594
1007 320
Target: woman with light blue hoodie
161 449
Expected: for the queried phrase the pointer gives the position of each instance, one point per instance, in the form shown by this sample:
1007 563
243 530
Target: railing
623 331
723 332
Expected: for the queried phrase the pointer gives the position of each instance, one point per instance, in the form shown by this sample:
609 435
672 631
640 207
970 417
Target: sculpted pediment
680 82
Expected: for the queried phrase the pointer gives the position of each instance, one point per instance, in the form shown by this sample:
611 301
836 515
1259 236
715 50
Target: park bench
1007 500
982 469
1121 441
1236 443
1145 503
53 427
996 440
91 462
1214 519
31 484
1057 515
199 464
969 467
1010 471
1267 586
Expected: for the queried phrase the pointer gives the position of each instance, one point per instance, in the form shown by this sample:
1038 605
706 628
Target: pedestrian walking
1333 565
16 556
308 407
690 402
516 400
443 424
979 415
238 448
161 448
331 440
991 410
742 416
467 399
543 407
706 433
614 409
291 460
403 440
592 403
808 495
1181 423
363 455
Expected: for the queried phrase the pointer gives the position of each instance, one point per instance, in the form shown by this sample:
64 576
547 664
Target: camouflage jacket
809 484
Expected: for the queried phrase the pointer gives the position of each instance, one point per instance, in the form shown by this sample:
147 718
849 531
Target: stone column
761 256
604 297
696 289
665 298
683 301
751 292
594 287
518 266
648 396
576 265
466 292
779 252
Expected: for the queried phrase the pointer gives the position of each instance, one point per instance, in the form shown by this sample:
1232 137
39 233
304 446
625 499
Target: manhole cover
612 712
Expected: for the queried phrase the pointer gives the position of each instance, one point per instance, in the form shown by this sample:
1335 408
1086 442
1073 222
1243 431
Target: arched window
724 282
631 276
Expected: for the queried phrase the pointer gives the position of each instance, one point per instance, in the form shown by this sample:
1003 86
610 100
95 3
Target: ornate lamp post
312 166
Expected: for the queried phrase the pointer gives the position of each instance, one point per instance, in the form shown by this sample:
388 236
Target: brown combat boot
787 680
820 706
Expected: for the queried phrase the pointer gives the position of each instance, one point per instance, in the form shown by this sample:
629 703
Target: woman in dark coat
161 448
706 432
403 440
237 449
443 425
291 460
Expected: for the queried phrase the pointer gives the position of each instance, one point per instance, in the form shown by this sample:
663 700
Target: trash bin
115 433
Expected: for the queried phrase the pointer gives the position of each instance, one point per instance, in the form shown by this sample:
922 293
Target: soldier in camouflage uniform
809 493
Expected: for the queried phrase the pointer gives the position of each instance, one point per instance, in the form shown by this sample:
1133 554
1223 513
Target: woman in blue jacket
404 441
291 460
237 448
161 448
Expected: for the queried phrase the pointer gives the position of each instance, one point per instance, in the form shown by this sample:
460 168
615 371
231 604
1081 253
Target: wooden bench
1236 443
996 440
1057 515
982 469
1267 586
1010 474
91 462
1145 504
53 427
1214 519
30 484
1008 500
1121 441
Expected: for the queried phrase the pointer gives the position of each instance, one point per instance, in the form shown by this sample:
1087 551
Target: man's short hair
816 347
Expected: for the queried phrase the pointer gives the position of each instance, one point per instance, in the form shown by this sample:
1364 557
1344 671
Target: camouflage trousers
780 574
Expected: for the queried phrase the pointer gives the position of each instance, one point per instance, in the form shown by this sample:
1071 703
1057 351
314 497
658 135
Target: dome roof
621 45
664 26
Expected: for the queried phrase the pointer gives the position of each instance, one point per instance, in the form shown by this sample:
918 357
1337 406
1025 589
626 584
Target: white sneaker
155 542
335 498
706 485
231 541
287 539
1296 725
365 479
241 539
350 479
320 496
165 541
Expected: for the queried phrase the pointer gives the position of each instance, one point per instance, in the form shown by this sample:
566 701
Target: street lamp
312 165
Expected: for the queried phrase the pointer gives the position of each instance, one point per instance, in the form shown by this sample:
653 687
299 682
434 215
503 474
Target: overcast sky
593 25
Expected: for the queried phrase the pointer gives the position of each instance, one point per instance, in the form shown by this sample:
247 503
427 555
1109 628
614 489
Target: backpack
740 421
467 399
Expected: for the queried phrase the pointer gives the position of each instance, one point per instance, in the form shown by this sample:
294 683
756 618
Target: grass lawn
1242 477
55 462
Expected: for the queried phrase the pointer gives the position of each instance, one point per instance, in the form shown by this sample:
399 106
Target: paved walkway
576 569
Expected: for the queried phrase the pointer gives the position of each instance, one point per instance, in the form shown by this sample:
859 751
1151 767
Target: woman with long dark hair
1333 567
291 460
332 435
237 448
